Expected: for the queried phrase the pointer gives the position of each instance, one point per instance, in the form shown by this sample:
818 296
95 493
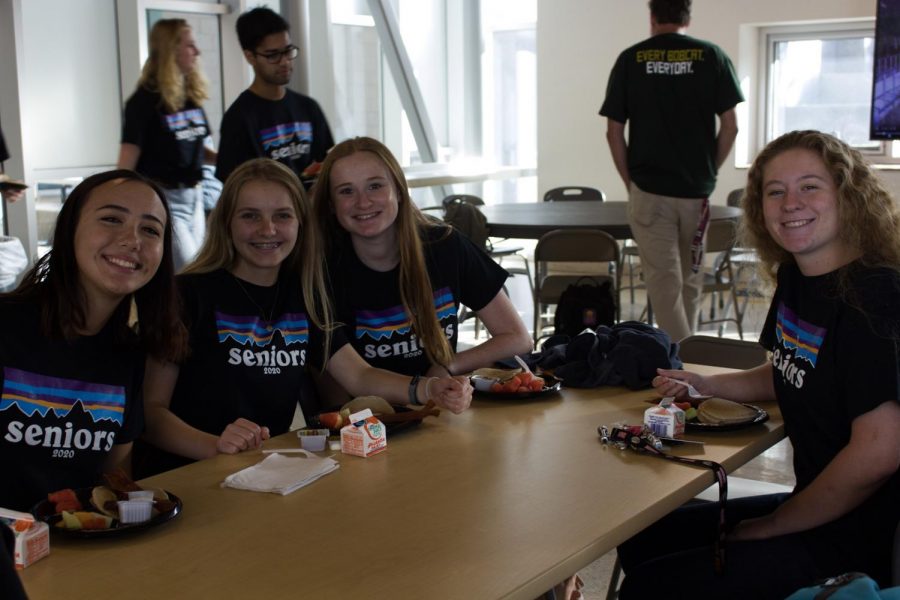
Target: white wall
578 43
70 93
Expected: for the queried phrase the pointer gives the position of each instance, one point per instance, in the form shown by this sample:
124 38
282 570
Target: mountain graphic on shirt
286 133
383 324
32 393
185 118
253 331
187 125
796 334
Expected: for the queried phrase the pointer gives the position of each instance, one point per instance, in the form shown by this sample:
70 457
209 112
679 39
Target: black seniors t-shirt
242 363
292 130
171 143
369 303
832 362
64 405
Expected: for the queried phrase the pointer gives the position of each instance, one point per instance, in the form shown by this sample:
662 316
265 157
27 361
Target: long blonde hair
416 293
161 72
869 216
218 250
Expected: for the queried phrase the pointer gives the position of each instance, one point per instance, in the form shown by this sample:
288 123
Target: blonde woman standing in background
164 128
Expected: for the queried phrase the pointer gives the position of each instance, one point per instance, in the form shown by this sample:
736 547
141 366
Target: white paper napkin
281 474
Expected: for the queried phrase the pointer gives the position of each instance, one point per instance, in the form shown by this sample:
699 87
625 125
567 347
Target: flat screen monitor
885 123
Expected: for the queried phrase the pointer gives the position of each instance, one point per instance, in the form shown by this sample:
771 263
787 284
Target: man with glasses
268 119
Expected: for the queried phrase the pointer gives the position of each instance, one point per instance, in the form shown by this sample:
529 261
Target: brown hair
416 293
55 283
675 12
869 216
161 72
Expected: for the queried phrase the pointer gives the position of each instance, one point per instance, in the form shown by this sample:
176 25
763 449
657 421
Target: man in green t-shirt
669 89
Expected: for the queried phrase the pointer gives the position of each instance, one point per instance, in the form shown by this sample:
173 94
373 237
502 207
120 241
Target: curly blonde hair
161 72
416 293
869 216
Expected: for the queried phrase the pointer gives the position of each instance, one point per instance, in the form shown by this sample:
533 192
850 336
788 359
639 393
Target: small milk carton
364 436
665 420
32 537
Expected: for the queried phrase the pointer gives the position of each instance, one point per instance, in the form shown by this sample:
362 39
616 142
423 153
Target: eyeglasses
275 56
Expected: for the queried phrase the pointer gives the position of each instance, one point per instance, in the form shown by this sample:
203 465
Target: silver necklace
262 313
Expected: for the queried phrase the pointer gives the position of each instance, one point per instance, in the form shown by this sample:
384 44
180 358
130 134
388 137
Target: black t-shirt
292 130
171 143
368 302
669 88
63 406
242 364
834 361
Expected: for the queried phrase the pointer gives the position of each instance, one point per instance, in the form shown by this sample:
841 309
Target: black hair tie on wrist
413 396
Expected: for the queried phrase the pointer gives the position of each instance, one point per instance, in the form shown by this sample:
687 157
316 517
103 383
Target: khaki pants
664 228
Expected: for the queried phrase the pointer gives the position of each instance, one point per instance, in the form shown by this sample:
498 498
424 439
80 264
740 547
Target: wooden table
502 501
531 220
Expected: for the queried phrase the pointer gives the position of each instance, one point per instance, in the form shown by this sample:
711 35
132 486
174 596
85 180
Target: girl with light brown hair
165 128
828 232
259 328
398 279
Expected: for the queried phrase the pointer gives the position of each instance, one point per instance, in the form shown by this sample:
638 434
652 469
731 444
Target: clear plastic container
134 511
313 439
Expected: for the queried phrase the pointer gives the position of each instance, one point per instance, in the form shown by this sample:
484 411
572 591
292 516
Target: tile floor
772 466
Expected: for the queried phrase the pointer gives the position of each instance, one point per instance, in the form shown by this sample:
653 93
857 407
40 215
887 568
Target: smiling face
186 54
264 230
118 240
364 196
800 207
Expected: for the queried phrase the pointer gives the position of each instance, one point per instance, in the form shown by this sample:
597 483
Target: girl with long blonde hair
398 279
258 327
165 128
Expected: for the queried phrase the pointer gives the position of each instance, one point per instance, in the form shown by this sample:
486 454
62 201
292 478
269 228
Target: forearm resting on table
168 432
359 378
870 458
165 429
752 385
498 347
509 337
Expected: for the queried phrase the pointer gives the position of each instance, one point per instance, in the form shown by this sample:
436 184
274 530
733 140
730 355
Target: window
821 78
474 68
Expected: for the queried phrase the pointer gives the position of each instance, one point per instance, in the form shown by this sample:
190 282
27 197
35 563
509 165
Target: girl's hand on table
451 393
241 435
665 387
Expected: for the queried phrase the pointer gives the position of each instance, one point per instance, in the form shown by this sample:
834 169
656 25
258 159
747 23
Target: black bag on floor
584 304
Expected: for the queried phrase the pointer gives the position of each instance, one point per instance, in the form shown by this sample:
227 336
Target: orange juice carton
364 436
32 537
666 419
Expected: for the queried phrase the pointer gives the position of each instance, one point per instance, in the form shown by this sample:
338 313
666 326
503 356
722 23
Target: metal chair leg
612 592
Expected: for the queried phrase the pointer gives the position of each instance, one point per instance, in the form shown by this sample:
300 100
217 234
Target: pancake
717 411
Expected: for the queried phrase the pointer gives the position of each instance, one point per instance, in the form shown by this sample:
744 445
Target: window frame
770 35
